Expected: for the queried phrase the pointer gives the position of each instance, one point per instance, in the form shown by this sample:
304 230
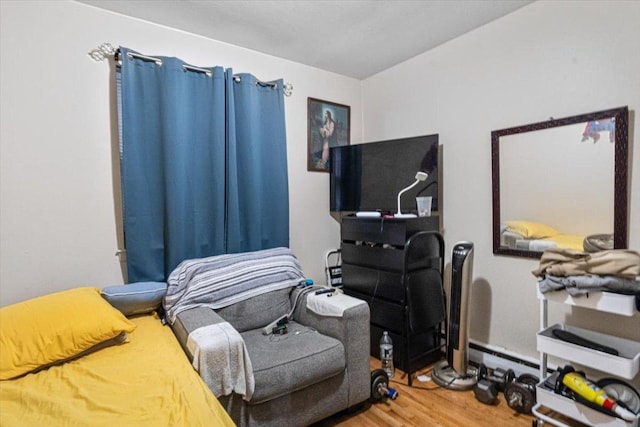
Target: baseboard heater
505 356
493 358
501 358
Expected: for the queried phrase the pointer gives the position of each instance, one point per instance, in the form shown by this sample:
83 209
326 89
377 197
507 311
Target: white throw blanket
331 305
221 359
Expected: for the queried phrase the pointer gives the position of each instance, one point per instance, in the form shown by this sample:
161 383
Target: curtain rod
106 50
237 79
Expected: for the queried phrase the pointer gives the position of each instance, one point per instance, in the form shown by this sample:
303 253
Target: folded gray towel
580 285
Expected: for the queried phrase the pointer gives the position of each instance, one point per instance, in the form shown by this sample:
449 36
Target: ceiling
355 38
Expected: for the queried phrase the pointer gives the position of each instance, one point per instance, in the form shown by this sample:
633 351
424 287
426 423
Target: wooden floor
426 404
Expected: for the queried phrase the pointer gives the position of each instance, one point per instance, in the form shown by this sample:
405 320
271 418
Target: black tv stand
396 266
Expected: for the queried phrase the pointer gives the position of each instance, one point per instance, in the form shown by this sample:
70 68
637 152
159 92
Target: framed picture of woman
328 125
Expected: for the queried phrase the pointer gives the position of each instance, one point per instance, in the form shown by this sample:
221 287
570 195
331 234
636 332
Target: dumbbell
380 386
491 382
520 394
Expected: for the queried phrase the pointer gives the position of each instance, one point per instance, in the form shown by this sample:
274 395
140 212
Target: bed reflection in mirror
561 183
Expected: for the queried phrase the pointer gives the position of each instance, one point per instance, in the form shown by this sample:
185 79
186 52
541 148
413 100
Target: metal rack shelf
626 364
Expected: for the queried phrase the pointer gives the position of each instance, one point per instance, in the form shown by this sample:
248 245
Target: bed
537 237
54 374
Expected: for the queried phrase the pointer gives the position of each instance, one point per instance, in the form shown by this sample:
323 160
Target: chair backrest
258 311
424 259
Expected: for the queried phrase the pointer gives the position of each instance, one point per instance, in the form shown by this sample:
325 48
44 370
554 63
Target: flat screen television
368 177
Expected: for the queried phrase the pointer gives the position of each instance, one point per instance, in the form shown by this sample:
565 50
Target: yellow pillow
56 327
531 230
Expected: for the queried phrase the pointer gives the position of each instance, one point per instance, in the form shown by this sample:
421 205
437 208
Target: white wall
547 59
58 215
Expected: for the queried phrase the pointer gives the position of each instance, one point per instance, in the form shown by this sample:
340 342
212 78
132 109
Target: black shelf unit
397 266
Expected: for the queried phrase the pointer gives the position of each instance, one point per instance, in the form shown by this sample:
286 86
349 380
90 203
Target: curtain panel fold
203 164
257 190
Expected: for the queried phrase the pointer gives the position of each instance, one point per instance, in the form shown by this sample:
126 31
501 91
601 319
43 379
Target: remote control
268 330
575 339
368 214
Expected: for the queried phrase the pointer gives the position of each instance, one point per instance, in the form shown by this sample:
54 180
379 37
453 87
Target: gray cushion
283 364
258 311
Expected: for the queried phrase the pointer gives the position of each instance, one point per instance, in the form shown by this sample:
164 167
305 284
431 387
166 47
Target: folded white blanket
332 305
220 357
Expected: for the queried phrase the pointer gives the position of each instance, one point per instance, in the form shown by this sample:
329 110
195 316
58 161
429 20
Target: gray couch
319 368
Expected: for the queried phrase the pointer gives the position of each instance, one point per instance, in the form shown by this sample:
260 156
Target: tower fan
454 373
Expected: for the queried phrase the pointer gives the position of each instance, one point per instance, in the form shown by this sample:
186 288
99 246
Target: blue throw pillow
135 298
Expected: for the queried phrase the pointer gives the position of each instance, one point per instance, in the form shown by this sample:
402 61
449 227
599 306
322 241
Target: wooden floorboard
426 404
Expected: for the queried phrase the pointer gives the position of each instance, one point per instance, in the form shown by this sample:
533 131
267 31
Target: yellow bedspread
145 382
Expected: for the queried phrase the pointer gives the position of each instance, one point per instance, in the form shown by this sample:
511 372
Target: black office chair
425 304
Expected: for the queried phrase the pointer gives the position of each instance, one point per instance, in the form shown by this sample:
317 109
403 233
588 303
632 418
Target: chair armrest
190 320
352 330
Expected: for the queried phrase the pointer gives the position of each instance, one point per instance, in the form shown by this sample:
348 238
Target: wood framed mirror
561 183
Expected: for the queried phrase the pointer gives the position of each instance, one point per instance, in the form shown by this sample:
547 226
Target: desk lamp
420 176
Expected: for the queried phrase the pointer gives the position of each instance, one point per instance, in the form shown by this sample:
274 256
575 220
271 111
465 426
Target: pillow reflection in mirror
531 230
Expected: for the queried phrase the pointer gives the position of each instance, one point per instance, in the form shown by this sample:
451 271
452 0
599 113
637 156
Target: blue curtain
203 162
173 164
257 190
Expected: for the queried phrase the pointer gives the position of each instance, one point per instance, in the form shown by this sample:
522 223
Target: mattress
147 381
568 241
517 241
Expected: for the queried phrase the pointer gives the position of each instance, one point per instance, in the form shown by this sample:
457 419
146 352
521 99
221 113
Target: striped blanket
223 280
